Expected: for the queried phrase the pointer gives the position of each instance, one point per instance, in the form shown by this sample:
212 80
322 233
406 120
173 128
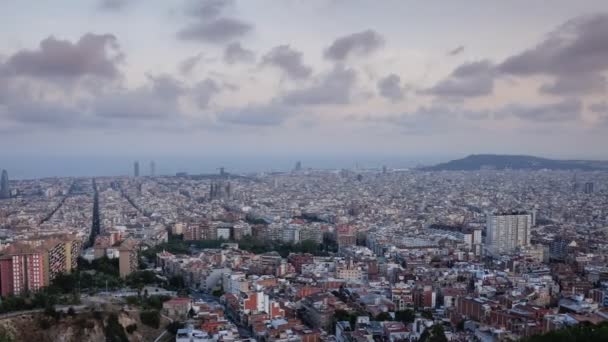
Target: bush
97 315
84 323
114 331
44 323
405 316
131 328
383 316
150 318
174 326
132 300
71 311
51 312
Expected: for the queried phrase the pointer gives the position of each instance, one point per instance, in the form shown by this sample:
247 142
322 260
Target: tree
405 316
131 328
580 332
114 331
434 334
384 316
174 326
426 314
51 312
191 313
150 318
6 336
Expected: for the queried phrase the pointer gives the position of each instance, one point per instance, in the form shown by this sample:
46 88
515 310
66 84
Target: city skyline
238 78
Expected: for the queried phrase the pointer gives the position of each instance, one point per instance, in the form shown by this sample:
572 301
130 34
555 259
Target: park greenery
90 277
176 245
582 332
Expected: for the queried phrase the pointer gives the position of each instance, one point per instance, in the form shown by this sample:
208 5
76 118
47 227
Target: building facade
506 232
5 191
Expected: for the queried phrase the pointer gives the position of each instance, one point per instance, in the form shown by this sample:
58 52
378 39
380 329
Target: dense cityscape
318 255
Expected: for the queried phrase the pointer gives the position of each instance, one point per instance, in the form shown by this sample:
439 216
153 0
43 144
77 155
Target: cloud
155 101
566 110
599 107
390 87
92 55
235 53
36 112
428 120
361 43
289 61
255 115
334 88
188 64
216 31
468 80
208 9
209 25
578 48
456 51
204 91
113 5
581 84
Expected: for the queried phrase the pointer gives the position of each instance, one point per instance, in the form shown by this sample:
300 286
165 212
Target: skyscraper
136 169
298 166
152 168
506 232
589 188
5 191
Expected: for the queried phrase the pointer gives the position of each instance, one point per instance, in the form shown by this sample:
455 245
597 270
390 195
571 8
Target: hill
515 162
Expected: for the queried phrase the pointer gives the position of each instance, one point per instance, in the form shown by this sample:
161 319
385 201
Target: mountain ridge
475 162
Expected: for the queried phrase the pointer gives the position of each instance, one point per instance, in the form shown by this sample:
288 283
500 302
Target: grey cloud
235 53
255 115
427 120
113 5
31 111
390 87
166 87
566 110
26 106
204 91
361 43
93 55
215 31
468 80
599 107
187 65
206 9
456 51
289 61
578 47
210 25
576 84
155 101
335 88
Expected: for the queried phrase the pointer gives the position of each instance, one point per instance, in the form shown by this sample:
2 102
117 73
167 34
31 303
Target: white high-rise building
506 232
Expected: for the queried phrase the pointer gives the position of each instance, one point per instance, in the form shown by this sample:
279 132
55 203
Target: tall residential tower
506 232
5 191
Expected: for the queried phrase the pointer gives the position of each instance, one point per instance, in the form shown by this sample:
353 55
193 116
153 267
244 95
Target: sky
265 80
